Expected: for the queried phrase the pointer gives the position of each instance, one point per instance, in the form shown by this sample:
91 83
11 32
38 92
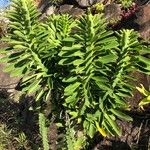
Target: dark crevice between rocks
70 2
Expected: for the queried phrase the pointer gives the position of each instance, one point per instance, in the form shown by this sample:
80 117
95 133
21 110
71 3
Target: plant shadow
17 117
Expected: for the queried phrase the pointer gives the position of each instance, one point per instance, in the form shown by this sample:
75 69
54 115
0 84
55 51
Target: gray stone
50 10
77 12
65 8
43 5
143 20
86 3
112 13
112 10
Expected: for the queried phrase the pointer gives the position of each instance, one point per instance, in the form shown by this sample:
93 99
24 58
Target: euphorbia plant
77 67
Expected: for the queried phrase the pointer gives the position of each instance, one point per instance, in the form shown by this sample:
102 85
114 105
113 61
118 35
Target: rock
37 2
65 8
50 10
6 82
143 20
86 3
69 9
112 12
43 5
142 2
77 12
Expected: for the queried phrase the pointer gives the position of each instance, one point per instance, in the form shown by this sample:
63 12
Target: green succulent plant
98 7
125 3
78 67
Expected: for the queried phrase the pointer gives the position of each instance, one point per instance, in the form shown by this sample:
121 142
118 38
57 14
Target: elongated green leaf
74 47
100 79
9 67
121 115
71 88
113 124
91 130
66 61
108 58
103 86
4 59
72 98
70 79
19 47
39 95
19 72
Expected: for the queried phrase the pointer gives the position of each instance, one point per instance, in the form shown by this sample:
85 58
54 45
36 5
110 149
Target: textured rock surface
112 12
76 12
50 10
143 20
70 9
65 8
86 3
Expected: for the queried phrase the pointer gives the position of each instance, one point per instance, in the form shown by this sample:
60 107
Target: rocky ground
136 135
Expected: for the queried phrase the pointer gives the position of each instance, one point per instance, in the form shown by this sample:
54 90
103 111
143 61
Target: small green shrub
98 7
10 140
125 3
5 136
75 68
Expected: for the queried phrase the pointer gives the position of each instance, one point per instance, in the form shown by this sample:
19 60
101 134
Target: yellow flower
101 130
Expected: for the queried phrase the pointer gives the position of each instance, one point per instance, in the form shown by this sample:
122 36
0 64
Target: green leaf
20 47
119 101
68 39
65 61
9 67
71 88
17 72
100 79
32 87
78 62
91 130
108 58
4 59
123 94
20 34
28 78
70 79
72 98
104 86
39 95
113 124
121 115
113 44
74 47
144 59
73 114
108 127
